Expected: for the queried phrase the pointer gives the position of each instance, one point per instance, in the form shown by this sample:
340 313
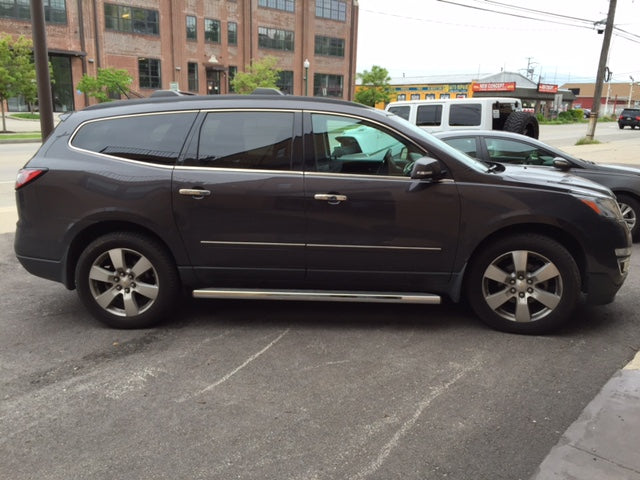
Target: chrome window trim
296 173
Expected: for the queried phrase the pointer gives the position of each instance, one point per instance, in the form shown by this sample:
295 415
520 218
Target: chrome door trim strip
260 244
374 247
319 295
318 245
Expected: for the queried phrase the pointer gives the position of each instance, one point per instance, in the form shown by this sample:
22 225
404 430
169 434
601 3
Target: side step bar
318 295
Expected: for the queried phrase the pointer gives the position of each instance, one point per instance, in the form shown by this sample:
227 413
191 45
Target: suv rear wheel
127 280
524 284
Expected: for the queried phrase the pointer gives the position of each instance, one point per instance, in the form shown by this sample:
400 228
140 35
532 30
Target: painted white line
406 426
244 364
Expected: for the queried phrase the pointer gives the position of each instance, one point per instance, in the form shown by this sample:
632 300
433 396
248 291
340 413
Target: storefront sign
494 87
547 88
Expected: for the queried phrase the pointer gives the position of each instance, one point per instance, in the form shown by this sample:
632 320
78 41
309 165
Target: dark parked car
512 148
630 117
284 197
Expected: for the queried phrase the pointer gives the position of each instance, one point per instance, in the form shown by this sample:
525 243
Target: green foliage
261 73
375 87
109 80
586 141
17 70
27 116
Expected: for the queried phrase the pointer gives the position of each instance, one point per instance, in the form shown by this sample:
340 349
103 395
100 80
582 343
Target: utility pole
604 53
45 101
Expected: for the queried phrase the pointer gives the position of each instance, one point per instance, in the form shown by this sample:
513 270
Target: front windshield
458 155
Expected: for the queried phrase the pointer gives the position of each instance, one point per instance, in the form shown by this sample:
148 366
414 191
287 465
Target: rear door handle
194 192
331 198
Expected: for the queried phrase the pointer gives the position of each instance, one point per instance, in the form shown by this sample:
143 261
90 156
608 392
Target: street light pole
306 65
630 91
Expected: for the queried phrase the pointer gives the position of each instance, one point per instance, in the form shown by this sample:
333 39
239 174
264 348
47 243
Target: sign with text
494 87
547 88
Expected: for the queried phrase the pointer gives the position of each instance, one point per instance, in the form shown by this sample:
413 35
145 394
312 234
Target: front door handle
331 198
194 192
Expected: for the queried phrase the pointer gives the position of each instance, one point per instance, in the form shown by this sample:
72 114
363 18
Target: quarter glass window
148 138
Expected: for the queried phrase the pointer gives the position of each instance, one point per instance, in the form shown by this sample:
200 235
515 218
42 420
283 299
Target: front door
370 225
213 82
238 199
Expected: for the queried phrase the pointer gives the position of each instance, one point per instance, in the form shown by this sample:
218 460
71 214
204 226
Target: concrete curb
603 443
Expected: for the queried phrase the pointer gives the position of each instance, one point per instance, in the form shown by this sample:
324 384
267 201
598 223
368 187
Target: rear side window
465 115
401 111
156 138
465 144
429 115
247 140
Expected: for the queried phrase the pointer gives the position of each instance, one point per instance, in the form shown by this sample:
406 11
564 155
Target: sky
435 37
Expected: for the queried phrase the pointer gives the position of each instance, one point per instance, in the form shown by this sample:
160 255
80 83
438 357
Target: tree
262 73
108 81
375 87
17 71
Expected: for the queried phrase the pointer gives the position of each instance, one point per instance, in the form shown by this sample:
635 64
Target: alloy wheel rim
628 214
123 282
522 286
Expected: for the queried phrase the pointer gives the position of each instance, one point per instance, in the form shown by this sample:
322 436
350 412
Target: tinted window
353 146
465 115
429 115
151 138
401 111
510 151
254 140
466 145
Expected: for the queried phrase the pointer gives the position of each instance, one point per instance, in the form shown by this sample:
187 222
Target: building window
131 20
333 47
275 38
211 30
327 85
286 5
332 9
192 31
55 11
285 81
192 76
232 74
232 33
149 73
415 96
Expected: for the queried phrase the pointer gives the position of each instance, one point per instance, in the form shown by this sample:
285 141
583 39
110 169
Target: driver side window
353 146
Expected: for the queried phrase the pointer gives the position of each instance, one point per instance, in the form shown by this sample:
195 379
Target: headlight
605 206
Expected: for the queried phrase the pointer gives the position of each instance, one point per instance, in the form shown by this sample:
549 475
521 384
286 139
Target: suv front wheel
127 280
524 284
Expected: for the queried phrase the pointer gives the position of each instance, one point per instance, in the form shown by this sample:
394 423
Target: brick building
615 96
194 45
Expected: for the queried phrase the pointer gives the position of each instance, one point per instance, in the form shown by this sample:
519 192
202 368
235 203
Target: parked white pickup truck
478 113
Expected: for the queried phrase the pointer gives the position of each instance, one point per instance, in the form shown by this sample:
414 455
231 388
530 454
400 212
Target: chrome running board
318 295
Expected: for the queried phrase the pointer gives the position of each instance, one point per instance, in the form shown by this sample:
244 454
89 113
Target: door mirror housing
561 163
426 168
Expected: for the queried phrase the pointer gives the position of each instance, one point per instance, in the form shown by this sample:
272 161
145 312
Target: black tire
524 123
127 280
630 208
620 126
527 284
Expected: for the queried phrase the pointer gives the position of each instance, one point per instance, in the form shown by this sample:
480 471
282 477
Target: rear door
238 198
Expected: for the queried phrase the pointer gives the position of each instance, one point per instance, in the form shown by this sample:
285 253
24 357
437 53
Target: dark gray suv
272 197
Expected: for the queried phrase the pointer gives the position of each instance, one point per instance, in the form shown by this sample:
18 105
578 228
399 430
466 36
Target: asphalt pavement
604 441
